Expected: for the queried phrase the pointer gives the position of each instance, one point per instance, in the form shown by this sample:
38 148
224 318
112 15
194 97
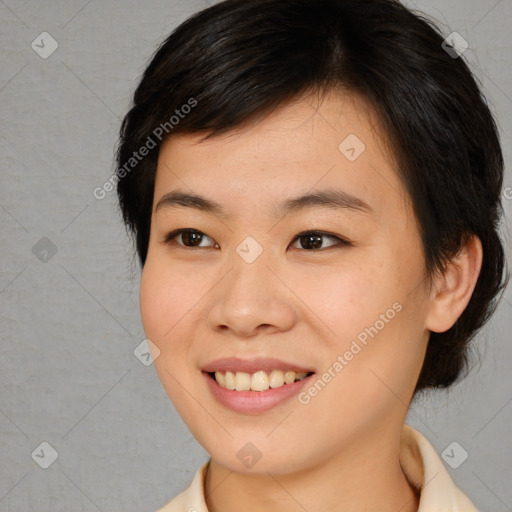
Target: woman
314 191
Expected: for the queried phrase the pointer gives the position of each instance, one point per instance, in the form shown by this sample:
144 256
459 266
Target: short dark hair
238 60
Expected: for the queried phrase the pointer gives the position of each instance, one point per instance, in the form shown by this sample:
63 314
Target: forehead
334 141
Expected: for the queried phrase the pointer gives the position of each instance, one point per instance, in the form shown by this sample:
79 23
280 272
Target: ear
453 288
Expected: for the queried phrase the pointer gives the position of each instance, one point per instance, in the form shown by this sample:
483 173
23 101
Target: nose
252 299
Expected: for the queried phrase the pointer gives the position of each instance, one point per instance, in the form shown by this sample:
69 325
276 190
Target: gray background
70 320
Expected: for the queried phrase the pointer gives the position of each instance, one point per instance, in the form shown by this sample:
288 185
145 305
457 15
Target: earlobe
453 288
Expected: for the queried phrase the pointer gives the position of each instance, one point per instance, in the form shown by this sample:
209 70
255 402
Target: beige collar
420 463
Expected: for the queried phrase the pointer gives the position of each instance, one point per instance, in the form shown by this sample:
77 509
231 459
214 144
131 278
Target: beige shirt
420 463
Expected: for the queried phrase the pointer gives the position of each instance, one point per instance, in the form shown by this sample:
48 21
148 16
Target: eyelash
169 239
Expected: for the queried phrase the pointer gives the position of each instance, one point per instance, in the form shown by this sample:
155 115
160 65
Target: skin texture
340 451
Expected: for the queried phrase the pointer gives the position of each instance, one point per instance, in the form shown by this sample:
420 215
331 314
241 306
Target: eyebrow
331 198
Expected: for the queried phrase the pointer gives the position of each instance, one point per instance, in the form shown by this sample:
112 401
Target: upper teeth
259 381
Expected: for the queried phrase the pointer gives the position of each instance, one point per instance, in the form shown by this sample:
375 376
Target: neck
364 477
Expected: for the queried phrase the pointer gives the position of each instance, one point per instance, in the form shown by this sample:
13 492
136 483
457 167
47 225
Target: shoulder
192 498
426 472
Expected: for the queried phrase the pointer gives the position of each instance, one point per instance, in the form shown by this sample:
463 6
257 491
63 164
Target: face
302 255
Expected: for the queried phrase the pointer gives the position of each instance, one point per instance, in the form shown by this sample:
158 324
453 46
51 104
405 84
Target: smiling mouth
258 381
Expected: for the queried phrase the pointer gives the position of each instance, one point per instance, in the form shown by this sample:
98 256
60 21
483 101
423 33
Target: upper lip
235 364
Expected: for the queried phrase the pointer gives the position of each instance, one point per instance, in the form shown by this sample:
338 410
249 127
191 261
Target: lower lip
254 401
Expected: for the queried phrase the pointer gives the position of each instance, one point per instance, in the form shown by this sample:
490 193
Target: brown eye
314 240
189 238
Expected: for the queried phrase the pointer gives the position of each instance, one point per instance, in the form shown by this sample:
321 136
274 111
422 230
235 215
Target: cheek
373 312
165 297
348 298
369 379
164 302
153 303
162 306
